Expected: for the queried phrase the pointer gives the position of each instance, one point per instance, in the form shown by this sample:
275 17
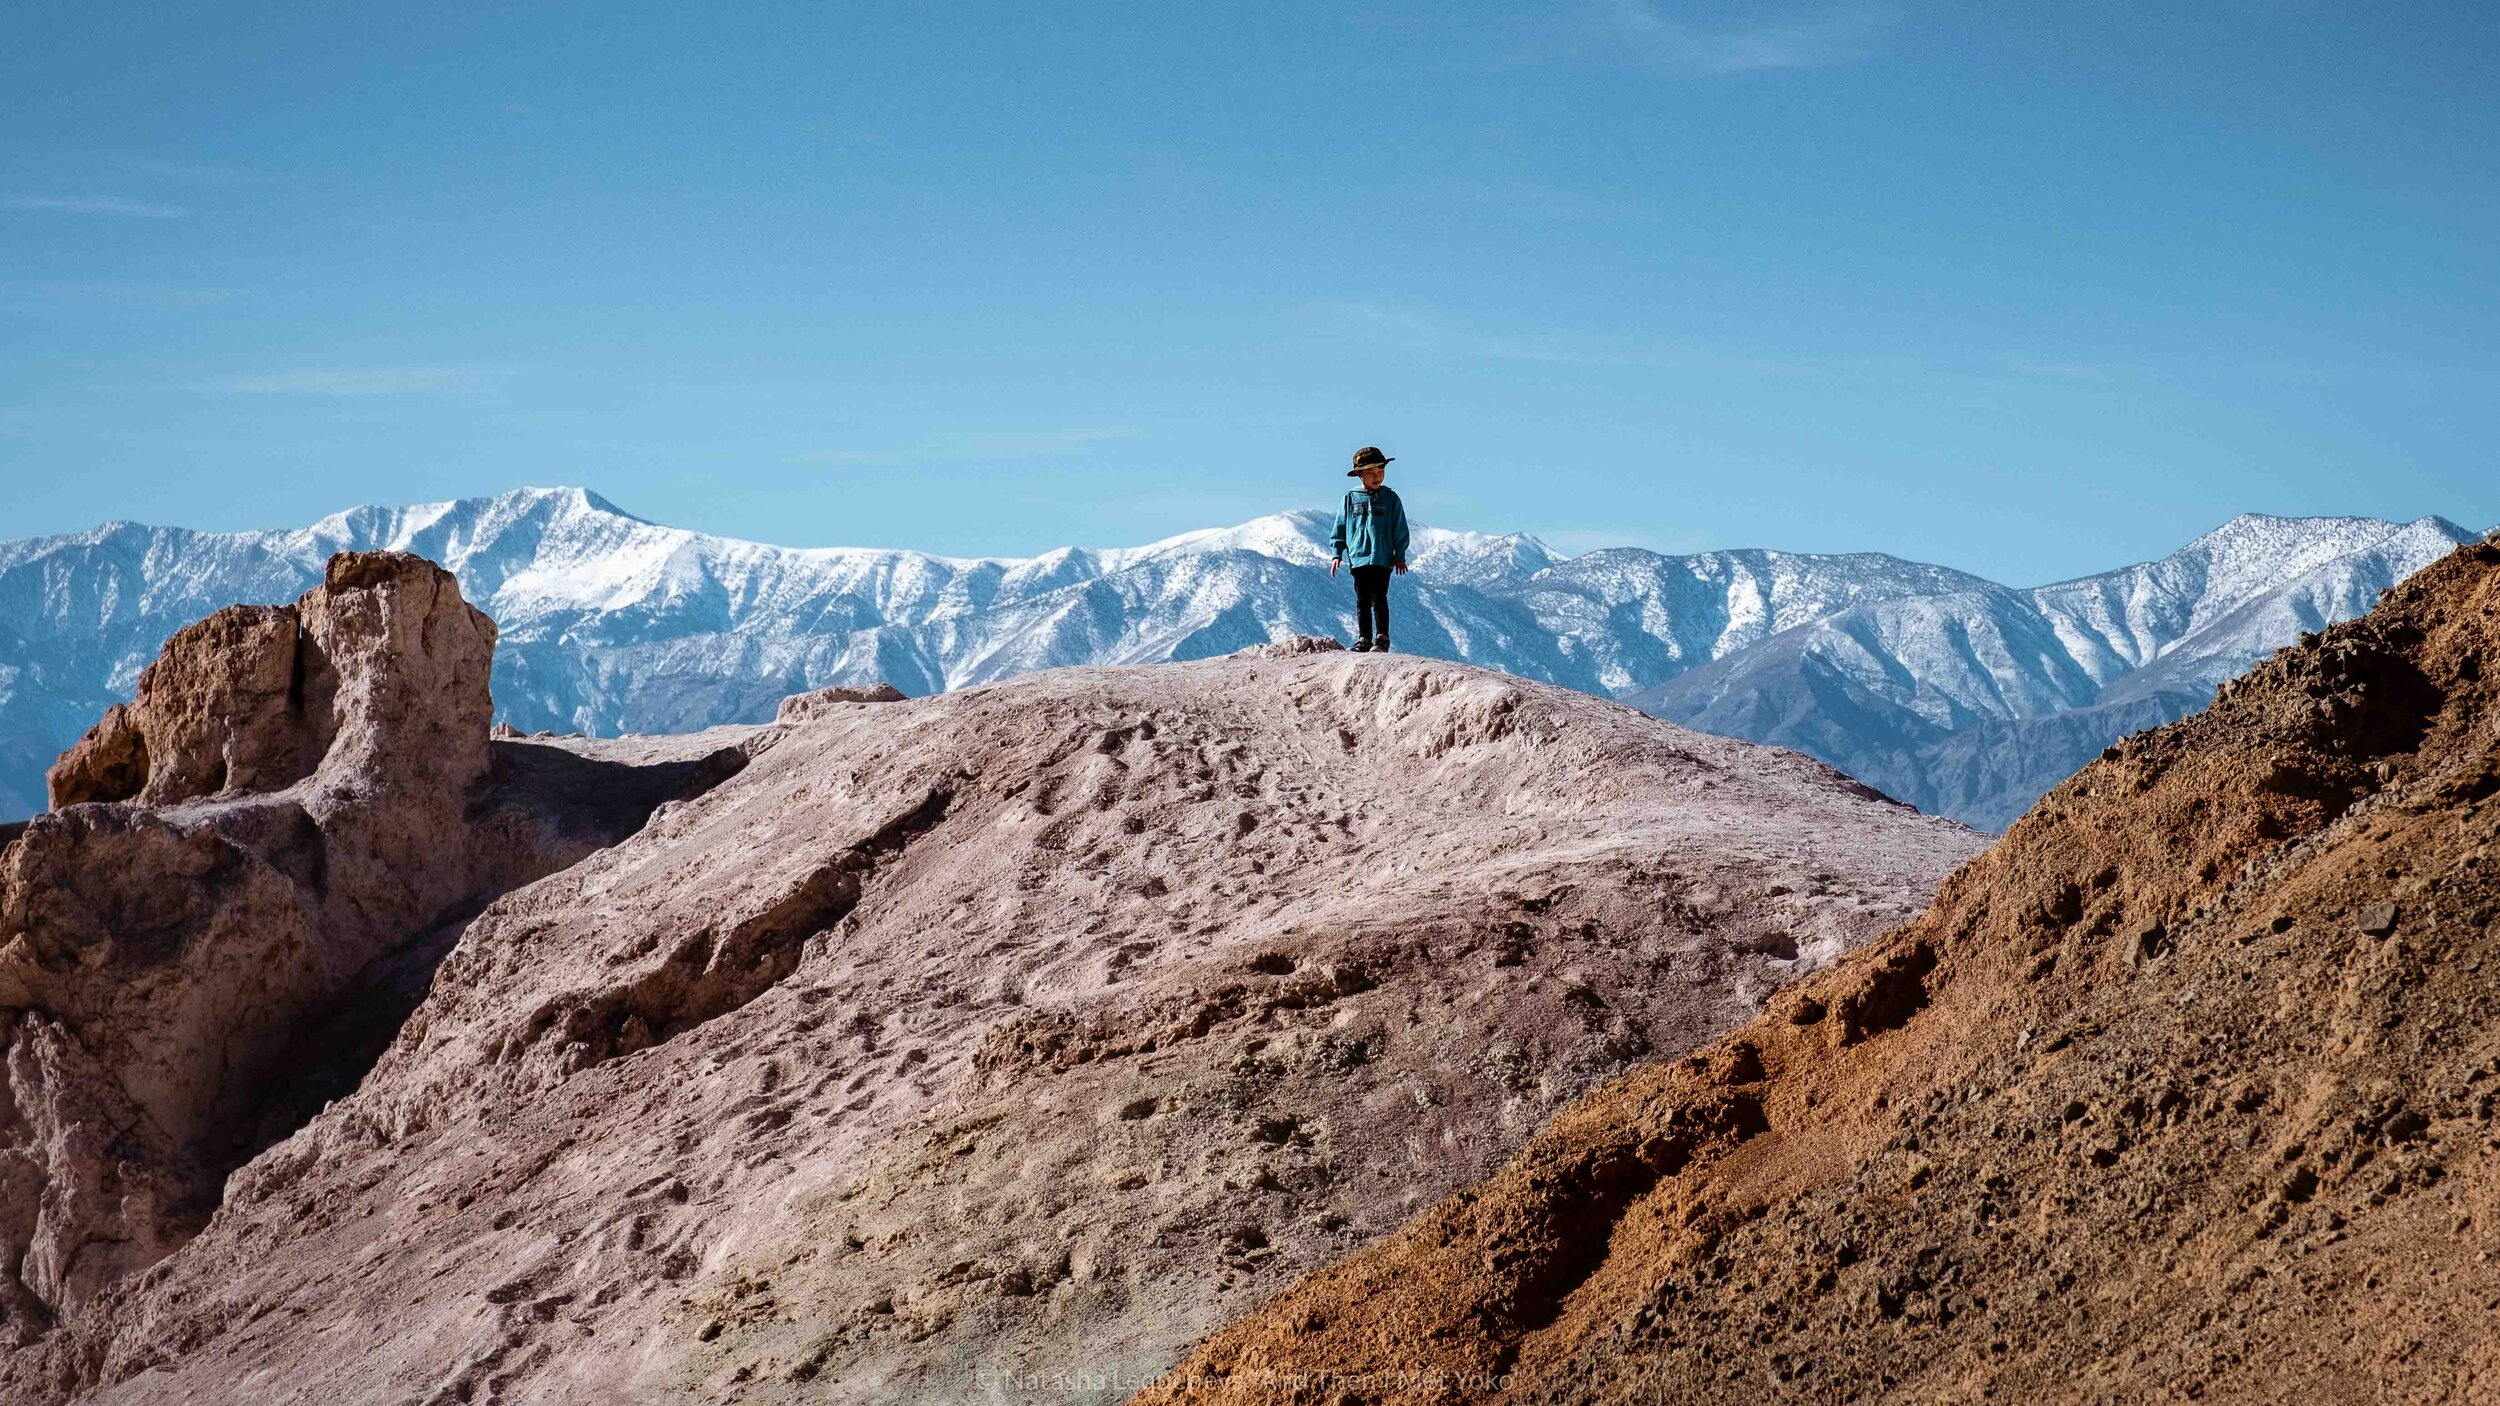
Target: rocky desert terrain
251 870
2185 1091
993 1046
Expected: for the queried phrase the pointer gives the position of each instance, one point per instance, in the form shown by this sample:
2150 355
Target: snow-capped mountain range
1947 690
1973 702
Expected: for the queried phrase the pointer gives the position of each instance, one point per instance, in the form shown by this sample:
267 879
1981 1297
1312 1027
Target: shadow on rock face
601 797
329 1054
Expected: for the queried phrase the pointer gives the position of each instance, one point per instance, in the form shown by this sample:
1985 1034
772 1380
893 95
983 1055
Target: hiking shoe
1362 646
1381 645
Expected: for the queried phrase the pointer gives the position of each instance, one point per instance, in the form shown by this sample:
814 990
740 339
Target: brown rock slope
2183 1091
1028 1029
253 867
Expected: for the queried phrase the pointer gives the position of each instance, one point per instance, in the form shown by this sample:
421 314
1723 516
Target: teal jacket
1371 529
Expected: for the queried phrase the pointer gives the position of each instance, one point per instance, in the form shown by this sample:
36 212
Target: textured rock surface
800 707
222 708
295 815
378 674
1032 1028
2184 1091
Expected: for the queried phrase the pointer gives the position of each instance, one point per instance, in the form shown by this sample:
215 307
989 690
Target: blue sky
2030 289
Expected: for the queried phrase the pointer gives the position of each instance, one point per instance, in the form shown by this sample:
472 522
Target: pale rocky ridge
1037 1027
1924 680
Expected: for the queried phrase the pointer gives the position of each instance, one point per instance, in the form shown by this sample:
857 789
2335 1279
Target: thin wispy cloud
2091 373
1653 36
121 294
354 383
1975 369
198 173
98 168
106 205
1432 333
1577 541
979 446
1426 332
1536 201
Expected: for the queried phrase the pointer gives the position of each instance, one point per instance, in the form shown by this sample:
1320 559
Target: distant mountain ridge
1974 703
1945 689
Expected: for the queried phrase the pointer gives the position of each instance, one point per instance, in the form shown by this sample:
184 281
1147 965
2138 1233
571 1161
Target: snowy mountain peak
2126 619
1297 536
614 623
2254 546
1463 556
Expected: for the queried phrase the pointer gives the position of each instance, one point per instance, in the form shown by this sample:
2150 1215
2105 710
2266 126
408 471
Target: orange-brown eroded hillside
2184 1091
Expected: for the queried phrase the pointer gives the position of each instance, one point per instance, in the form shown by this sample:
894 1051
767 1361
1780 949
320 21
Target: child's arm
1336 539
1397 536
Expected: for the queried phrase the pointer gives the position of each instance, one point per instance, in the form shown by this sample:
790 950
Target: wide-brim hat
1366 458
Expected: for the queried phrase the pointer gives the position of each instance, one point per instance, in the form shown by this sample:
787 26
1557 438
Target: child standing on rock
1371 540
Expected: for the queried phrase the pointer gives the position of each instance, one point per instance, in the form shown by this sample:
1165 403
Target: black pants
1371 602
